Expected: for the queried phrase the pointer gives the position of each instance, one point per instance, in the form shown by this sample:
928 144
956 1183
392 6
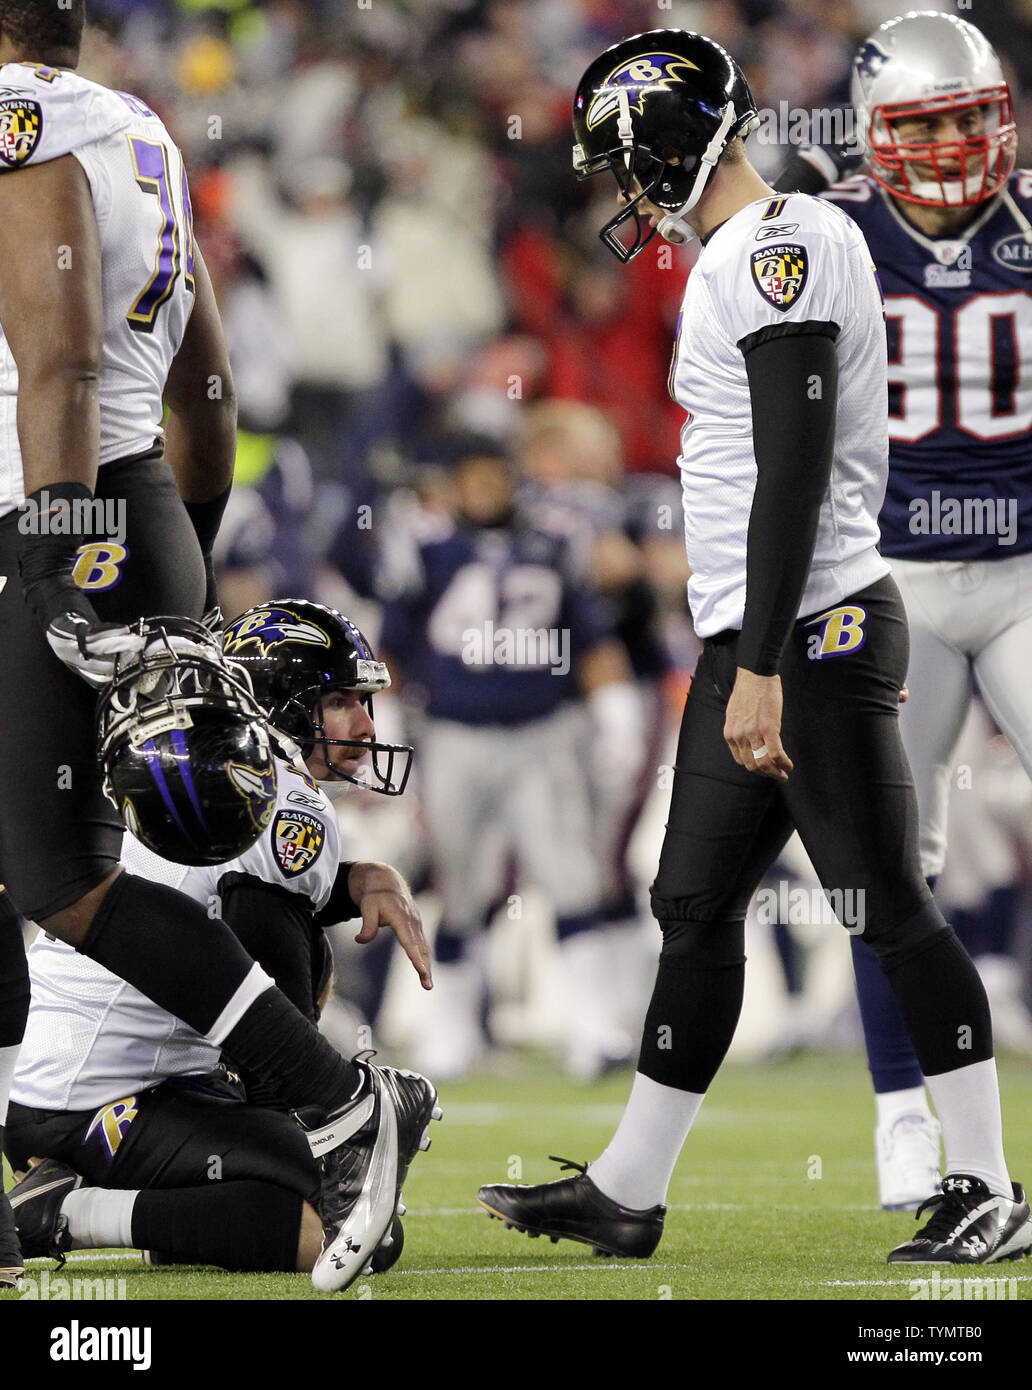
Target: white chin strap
673 227
333 789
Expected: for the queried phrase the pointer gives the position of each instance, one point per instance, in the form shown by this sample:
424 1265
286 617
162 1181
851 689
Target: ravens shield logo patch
779 273
297 841
21 125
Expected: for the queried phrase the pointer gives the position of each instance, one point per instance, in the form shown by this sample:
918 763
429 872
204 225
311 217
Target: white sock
8 1060
893 1105
636 1168
967 1102
100 1216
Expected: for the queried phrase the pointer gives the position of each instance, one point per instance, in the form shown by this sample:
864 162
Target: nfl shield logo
297 841
21 125
779 273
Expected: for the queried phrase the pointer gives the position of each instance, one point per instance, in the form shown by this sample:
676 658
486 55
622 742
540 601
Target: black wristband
206 518
54 521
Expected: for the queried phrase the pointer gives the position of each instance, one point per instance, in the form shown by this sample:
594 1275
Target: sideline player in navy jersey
106 313
792 718
491 620
949 224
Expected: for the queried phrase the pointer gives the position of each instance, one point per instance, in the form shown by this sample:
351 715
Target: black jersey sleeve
792 371
340 906
276 928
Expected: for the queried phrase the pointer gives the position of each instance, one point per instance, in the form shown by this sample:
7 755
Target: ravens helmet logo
265 628
652 72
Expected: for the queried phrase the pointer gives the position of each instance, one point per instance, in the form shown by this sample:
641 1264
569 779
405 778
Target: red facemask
957 173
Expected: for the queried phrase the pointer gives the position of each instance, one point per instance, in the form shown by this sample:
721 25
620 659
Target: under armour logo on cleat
349 1249
957 1185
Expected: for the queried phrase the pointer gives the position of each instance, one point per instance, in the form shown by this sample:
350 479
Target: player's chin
345 767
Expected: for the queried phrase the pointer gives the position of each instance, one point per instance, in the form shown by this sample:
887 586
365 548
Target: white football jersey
91 1038
779 261
142 203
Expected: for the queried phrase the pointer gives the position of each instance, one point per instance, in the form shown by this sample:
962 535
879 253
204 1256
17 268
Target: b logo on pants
111 1123
841 631
99 565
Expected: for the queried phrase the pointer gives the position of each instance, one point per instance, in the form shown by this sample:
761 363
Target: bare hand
904 694
752 725
385 900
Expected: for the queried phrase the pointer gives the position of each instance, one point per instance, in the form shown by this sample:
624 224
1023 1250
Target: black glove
87 646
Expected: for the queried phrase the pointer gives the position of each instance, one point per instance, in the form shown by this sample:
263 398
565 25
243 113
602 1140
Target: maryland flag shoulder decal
297 841
21 125
779 273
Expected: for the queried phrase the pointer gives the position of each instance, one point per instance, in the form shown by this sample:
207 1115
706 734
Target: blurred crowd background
383 193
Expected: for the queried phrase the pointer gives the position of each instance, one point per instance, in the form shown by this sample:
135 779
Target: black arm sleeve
275 928
793 384
341 906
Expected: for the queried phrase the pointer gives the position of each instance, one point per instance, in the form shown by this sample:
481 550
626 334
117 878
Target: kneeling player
145 1133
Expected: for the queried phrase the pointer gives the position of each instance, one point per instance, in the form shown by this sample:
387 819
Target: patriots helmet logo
869 62
650 72
268 627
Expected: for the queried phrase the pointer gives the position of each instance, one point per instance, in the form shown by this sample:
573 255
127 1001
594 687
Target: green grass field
773 1199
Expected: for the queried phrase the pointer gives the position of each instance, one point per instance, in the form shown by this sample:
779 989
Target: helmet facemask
674 184
302 718
944 173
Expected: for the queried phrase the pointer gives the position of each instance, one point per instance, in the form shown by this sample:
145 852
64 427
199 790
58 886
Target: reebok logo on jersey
21 125
779 273
777 229
841 631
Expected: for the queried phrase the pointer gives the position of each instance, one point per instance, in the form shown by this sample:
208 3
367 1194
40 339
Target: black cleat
574 1209
969 1225
388 1252
11 1268
36 1203
364 1151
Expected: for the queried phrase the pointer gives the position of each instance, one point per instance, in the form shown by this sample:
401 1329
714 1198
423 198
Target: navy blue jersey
958 314
491 622
583 511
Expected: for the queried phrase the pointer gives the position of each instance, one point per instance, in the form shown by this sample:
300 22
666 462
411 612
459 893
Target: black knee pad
703 945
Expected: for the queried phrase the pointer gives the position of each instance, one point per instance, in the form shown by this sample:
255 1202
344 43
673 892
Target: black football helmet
658 109
184 747
296 652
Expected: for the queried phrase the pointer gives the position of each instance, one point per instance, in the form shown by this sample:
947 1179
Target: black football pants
851 797
59 835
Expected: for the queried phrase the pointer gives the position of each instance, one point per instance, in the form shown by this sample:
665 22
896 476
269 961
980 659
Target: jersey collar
931 243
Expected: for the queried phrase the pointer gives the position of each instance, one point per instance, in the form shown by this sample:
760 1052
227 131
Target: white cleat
364 1151
907 1158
